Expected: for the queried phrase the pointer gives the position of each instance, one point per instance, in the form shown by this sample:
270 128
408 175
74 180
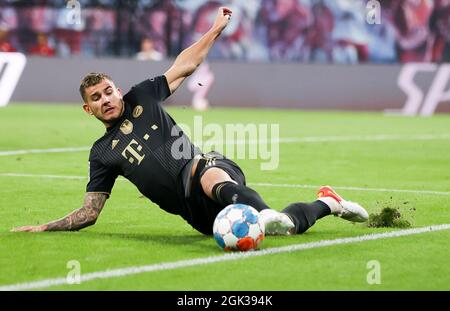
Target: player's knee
212 177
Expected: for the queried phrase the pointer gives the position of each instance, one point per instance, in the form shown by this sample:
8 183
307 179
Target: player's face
104 101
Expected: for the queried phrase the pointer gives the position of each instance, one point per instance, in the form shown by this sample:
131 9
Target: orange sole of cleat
327 191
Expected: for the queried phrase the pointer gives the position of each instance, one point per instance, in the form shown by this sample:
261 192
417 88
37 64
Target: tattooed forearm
82 217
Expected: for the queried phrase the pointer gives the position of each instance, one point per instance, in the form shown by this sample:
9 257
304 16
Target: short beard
110 123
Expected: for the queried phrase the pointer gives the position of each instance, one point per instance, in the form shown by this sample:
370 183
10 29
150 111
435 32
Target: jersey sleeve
157 88
101 178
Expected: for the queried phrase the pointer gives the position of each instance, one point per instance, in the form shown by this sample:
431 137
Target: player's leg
220 187
223 182
296 218
328 203
305 215
216 174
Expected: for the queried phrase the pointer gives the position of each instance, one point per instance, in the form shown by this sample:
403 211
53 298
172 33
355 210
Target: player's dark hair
92 79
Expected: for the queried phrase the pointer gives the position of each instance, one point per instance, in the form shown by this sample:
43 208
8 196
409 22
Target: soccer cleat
276 223
347 210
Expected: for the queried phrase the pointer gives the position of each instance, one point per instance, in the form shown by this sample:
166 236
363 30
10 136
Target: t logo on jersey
134 153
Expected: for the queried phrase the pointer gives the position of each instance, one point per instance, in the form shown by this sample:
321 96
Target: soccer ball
238 227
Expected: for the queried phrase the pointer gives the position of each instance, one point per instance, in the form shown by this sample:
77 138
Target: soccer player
144 144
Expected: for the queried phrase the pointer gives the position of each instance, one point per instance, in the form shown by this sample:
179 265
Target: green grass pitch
412 154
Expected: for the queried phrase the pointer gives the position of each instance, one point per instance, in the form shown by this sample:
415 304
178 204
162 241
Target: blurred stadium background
307 31
298 54
287 50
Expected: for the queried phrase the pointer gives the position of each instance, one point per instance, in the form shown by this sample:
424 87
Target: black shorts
203 209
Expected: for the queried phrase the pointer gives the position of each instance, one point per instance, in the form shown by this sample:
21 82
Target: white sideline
250 184
227 257
50 150
351 188
43 176
312 139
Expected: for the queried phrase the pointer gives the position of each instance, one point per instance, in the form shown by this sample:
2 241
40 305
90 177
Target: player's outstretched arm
188 60
78 219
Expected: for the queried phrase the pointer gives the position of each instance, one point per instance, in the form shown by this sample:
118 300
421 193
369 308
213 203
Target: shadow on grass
197 240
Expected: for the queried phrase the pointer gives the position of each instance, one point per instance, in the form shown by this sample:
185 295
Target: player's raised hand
29 228
223 17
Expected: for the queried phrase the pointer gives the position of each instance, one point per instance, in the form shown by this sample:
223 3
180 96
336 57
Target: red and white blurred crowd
310 31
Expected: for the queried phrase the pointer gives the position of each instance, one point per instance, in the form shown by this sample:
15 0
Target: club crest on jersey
126 127
137 111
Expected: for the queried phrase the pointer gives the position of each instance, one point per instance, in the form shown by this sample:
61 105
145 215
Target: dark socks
227 192
305 215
